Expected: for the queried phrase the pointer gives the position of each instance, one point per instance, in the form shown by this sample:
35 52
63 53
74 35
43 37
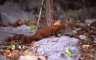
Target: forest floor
82 38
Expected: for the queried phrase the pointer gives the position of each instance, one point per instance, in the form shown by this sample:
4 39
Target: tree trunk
49 12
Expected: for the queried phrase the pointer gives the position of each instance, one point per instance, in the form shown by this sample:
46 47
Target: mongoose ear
58 22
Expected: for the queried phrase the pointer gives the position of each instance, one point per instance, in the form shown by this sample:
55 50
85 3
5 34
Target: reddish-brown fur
44 32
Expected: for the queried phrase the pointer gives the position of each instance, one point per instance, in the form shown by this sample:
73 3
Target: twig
39 15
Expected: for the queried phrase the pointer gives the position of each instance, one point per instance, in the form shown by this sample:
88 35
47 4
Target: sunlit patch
57 22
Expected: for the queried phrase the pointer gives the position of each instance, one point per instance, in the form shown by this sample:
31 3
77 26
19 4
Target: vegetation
47 26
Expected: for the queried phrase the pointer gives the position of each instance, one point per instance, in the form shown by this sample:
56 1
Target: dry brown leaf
7 52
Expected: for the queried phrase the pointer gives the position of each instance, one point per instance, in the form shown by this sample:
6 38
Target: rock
55 48
11 12
32 3
3 57
18 30
89 21
69 31
6 32
3 36
83 37
28 58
